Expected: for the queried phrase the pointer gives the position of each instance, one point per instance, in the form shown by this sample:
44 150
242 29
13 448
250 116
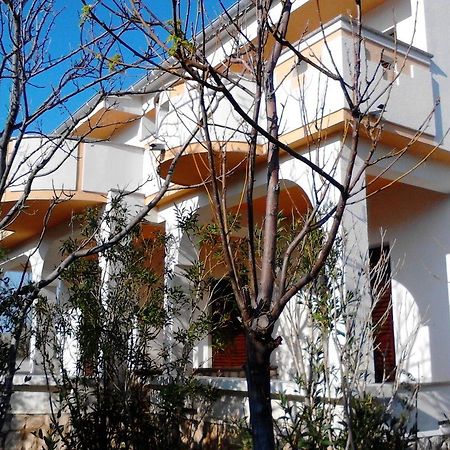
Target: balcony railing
77 175
108 116
178 119
391 72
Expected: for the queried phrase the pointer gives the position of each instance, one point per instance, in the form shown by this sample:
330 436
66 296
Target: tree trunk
257 372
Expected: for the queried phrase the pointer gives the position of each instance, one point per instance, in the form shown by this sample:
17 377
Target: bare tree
273 274
219 65
274 270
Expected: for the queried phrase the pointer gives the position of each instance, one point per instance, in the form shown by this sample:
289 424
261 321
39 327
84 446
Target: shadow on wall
414 222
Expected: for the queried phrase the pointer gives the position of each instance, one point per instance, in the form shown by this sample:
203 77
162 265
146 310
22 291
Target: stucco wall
415 223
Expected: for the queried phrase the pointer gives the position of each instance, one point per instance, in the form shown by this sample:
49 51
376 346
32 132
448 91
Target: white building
130 141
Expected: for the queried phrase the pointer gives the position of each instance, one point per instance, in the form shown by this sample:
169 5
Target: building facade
401 210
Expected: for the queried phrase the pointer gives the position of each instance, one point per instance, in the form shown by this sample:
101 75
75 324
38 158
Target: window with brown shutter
228 338
382 316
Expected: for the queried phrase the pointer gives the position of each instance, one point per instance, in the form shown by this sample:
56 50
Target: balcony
308 102
108 116
178 115
79 175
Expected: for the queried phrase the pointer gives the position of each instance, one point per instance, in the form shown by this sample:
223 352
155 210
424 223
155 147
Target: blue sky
65 36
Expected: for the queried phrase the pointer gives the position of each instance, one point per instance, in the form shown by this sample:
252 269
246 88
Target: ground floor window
228 338
382 316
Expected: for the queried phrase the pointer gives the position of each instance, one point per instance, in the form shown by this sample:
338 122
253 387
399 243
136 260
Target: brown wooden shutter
382 316
231 353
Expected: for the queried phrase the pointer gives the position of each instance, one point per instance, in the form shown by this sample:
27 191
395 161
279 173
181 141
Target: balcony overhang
41 211
107 117
293 204
193 167
309 15
303 138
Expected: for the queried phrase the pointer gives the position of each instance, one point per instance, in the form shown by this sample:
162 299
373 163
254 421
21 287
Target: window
228 337
382 317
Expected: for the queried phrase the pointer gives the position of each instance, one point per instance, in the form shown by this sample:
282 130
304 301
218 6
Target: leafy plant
120 385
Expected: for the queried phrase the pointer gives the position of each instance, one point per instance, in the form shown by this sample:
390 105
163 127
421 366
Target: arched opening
227 337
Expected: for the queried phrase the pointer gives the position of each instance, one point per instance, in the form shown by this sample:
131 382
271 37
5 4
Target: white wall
59 173
305 95
407 16
437 18
414 222
112 166
293 327
180 113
